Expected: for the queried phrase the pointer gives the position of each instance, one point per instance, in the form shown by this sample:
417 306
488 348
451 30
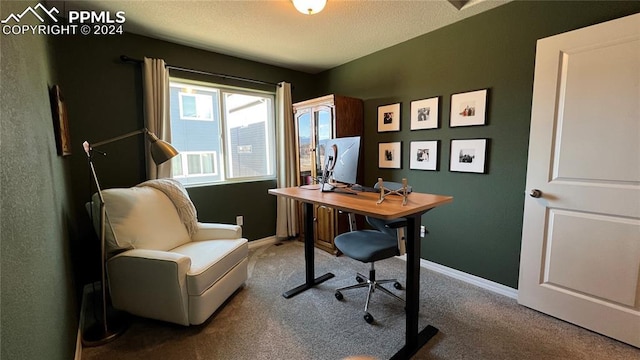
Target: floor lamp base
96 334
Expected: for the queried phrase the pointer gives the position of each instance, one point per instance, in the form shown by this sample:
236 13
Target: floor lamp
161 151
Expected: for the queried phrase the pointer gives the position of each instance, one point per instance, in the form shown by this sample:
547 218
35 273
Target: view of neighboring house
206 121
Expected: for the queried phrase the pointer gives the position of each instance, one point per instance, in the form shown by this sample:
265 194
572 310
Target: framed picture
424 155
60 121
469 155
424 114
468 109
390 155
389 117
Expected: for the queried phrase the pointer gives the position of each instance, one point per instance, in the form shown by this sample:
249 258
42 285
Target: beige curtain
156 111
287 214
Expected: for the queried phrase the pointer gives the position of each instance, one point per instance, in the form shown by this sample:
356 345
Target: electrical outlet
423 231
239 220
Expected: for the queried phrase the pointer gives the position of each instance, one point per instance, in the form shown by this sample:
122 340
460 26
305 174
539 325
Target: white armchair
157 270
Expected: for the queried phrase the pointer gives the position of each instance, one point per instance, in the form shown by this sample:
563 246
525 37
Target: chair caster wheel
359 279
397 285
368 318
338 295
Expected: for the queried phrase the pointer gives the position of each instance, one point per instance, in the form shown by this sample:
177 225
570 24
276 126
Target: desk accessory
404 191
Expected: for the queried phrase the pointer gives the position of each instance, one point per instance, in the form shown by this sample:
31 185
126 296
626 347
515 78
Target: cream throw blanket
180 198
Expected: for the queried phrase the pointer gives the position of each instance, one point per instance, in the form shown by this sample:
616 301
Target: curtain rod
125 58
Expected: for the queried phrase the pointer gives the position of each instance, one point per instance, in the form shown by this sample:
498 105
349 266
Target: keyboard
364 188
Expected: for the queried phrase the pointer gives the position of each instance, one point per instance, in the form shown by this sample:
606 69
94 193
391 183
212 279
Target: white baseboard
263 242
468 278
78 355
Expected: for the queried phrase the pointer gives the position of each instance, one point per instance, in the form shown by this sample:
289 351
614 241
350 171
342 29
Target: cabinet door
324 228
324 132
304 131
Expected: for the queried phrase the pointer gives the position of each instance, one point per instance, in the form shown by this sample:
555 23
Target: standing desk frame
364 203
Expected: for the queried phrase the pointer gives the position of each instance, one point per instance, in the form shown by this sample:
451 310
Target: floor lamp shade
161 151
109 328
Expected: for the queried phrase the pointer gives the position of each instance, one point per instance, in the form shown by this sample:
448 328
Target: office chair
369 246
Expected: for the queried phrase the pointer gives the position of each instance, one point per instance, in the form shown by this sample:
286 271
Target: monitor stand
326 187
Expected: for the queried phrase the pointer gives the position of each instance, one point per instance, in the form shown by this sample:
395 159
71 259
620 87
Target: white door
580 256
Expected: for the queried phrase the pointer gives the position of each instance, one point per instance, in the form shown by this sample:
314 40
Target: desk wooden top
364 203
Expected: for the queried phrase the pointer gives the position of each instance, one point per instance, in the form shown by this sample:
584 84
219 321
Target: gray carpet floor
258 323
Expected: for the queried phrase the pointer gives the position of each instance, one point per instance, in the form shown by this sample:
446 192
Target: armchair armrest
182 262
150 283
213 231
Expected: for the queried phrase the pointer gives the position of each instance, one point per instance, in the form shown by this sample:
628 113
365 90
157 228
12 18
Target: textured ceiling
273 32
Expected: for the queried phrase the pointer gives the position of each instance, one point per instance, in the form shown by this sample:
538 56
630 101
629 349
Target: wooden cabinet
316 121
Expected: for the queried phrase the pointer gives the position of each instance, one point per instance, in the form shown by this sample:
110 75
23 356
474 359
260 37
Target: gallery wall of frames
467 155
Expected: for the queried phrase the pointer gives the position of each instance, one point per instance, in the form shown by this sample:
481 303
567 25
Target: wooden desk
365 204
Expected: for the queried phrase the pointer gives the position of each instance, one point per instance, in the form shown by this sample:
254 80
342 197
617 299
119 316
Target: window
196 107
232 141
192 164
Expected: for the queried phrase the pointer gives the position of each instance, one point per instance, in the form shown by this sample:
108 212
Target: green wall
38 298
104 100
480 232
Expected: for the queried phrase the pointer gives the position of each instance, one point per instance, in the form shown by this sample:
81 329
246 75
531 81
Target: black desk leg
310 281
414 339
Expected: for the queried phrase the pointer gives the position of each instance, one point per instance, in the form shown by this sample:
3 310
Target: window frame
181 95
185 170
223 159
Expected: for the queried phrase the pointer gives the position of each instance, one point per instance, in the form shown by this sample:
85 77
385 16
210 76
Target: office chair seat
367 245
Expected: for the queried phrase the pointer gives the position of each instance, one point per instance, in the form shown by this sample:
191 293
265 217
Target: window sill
229 182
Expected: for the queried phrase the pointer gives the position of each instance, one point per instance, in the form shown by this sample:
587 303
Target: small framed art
424 114
60 121
424 155
389 117
390 155
468 155
468 109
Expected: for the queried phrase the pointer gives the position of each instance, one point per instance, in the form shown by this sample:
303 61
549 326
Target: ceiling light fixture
309 7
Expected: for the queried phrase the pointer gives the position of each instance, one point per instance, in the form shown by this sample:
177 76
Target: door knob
535 193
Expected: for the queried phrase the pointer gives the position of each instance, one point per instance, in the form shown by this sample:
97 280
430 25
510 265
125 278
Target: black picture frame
389 117
390 155
469 155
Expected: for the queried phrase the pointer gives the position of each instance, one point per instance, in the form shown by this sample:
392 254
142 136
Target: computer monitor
341 159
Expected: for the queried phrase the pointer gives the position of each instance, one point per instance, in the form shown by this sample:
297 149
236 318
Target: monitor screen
342 155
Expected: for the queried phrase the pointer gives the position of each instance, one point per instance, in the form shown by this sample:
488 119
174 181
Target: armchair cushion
210 261
142 218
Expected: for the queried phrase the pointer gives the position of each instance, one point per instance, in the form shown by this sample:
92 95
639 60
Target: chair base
373 285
